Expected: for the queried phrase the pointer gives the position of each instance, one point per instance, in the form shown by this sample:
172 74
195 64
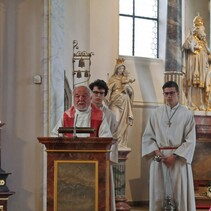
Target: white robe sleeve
54 132
104 130
149 144
187 148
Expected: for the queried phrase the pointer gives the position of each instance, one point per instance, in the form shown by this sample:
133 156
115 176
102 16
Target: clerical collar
101 107
173 108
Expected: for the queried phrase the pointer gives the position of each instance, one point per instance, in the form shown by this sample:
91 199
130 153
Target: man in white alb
169 142
100 90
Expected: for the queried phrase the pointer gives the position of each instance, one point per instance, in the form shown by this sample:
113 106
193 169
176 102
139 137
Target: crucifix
169 118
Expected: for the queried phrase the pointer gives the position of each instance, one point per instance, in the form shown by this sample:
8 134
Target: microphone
74 129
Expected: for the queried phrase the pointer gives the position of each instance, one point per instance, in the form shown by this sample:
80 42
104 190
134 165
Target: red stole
96 119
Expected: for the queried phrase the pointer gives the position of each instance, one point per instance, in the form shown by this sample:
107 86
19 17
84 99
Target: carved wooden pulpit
78 173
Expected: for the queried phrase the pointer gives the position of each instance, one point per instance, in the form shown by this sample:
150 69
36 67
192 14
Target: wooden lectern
78 173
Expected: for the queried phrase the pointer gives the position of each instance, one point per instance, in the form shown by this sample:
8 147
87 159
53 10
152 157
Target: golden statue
119 100
197 83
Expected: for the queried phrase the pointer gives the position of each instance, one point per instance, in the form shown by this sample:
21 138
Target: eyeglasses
169 93
97 93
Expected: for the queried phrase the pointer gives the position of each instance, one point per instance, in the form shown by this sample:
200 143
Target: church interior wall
22 103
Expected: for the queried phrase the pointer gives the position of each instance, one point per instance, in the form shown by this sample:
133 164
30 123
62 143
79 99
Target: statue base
119 180
201 160
203 125
121 204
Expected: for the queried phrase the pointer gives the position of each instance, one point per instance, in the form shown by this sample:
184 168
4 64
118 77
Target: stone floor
146 209
139 209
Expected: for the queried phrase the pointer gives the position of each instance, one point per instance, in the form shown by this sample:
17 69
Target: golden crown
120 61
198 21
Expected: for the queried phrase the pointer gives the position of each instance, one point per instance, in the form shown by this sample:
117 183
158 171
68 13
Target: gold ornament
120 61
209 191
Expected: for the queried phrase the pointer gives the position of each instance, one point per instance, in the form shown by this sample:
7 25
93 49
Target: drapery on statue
197 83
119 99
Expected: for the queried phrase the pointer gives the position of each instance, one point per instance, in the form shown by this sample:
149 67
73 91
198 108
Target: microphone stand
74 129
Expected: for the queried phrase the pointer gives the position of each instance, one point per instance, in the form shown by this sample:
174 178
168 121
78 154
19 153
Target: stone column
174 36
173 64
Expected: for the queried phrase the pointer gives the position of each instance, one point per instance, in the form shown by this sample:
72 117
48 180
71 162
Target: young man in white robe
169 142
100 90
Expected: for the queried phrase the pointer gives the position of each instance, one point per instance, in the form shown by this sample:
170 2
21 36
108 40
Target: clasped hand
167 160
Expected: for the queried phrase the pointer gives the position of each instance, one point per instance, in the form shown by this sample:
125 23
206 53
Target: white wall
104 37
21 27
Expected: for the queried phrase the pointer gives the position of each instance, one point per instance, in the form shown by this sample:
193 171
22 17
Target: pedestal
119 180
201 160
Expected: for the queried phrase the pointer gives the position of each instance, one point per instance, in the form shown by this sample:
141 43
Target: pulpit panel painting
75 185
